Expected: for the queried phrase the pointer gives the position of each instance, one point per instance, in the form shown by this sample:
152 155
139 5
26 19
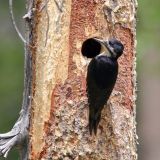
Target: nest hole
90 48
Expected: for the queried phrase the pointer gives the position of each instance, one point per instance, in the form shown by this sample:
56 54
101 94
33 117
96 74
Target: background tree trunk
59 113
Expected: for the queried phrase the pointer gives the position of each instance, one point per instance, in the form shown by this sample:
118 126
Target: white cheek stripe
112 50
104 51
105 54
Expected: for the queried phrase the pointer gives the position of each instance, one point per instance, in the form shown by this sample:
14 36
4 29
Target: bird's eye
110 43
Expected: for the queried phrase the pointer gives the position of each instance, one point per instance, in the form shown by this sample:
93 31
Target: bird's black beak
105 46
102 42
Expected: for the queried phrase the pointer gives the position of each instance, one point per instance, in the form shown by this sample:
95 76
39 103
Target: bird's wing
100 82
101 78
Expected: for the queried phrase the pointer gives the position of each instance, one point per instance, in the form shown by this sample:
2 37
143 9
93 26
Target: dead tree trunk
59 114
59 110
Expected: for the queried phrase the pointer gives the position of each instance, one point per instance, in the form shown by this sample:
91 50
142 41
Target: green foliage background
11 68
11 56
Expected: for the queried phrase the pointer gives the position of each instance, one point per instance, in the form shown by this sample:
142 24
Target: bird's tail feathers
94 119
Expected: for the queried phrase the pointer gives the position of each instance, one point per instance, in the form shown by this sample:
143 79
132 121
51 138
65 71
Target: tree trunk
59 110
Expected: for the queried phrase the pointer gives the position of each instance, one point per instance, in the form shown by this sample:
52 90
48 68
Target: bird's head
112 47
93 47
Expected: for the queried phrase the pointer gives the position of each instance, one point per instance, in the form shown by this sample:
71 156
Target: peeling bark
59 113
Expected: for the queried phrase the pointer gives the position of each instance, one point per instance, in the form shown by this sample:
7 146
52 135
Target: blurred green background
11 68
148 67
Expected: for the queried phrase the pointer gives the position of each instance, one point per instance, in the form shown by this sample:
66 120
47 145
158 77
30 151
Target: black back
101 78
103 71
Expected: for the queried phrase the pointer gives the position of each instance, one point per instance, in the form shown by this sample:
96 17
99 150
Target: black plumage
101 75
101 78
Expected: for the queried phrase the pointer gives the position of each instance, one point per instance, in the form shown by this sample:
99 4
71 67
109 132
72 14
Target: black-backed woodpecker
101 75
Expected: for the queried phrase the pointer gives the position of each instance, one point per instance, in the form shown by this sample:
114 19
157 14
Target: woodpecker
101 75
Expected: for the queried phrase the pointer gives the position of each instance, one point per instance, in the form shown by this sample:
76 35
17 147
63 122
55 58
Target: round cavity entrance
90 48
